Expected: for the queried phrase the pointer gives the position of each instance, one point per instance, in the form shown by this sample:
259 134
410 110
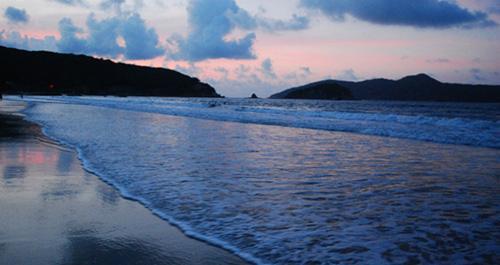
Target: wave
449 130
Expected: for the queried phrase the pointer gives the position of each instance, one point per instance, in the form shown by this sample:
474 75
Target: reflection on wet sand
53 212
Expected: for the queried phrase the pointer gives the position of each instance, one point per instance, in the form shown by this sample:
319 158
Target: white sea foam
413 125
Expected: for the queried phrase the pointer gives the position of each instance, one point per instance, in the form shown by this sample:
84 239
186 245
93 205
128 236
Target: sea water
300 182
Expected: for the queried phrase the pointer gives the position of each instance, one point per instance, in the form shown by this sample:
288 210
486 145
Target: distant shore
53 212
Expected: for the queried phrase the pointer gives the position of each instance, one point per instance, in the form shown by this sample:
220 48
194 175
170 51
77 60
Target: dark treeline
48 73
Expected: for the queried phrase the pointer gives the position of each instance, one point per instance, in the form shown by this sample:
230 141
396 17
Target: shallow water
53 212
475 124
285 195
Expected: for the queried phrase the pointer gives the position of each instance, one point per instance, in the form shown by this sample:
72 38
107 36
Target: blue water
454 123
290 183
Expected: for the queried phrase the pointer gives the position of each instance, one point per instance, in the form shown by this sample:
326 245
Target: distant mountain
419 87
49 73
319 90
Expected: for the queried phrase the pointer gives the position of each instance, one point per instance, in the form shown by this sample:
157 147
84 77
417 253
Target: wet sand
54 212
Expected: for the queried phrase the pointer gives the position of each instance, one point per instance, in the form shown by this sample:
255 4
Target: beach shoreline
269 194
55 212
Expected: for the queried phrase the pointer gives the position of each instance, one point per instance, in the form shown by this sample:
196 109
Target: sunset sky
264 46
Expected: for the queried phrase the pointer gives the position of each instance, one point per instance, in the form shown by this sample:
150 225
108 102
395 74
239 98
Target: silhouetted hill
49 73
319 90
419 87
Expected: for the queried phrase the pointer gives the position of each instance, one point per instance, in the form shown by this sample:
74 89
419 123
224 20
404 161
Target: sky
260 46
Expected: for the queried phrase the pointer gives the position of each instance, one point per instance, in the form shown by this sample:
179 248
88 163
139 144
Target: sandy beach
54 212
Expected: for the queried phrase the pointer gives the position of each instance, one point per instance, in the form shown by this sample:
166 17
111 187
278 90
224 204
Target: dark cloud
141 42
103 38
16 15
241 18
212 21
420 14
210 24
69 41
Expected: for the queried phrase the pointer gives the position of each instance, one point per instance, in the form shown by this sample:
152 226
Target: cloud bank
122 35
16 40
69 41
209 24
420 14
212 21
16 15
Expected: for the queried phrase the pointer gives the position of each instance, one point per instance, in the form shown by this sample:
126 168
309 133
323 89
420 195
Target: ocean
300 181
